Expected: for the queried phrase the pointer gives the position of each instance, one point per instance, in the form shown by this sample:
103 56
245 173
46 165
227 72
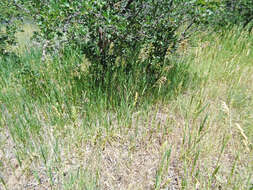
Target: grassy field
192 130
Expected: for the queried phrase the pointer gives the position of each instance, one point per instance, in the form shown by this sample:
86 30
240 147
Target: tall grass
190 129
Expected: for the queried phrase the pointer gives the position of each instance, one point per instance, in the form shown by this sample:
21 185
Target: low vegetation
72 118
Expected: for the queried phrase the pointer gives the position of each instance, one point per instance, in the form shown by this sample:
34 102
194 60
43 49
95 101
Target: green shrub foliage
107 29
104 30
239 12
10 20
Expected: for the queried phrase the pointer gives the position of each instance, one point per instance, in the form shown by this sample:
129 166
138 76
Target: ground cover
192 131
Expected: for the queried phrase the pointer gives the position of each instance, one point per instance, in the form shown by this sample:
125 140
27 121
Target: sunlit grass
191 131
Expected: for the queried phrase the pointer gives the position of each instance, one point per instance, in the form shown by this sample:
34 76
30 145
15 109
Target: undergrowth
189 128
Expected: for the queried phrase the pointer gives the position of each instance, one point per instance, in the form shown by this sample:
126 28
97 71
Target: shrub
105 30
239 12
